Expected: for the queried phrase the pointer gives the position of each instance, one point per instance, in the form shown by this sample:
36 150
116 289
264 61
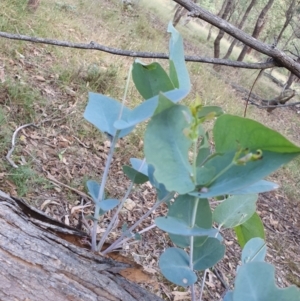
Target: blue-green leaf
239 177
235 210
166 148
174 265
180 227
255 281
93 189
208 254
254 250
103 112
228 296
139 165
182 208
135 176
108 204
258 187
160 188
181 77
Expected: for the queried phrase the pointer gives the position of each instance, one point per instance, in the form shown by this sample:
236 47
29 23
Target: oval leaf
139 165
166 148
208 254
253 227
255 281
108 204
182 208
254 250
93 189
135 176
174 265
250 134
179 227
235 210
103 112
150 79
178 70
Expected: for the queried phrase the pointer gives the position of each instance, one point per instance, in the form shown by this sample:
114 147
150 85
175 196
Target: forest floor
60 151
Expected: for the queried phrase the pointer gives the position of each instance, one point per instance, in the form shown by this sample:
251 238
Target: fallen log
43 259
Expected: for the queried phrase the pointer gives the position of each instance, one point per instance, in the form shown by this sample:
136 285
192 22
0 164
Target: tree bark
258 28
41 259
240 26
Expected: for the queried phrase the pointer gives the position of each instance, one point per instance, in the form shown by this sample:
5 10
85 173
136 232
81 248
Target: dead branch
95 46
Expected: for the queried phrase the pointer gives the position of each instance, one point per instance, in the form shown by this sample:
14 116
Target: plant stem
192 224
101 191
155 206
106 233
195 161
106 170
203 283
220 173
140 232
112 222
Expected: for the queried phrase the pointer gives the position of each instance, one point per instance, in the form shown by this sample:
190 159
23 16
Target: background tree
240 26
228 8
258 28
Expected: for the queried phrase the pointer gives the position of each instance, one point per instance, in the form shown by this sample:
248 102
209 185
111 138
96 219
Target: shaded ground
57 157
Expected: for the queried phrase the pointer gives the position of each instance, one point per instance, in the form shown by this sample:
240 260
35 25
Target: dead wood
41 259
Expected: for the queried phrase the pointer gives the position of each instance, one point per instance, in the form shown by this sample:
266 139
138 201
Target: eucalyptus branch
154 207
193 221
131 53
113 220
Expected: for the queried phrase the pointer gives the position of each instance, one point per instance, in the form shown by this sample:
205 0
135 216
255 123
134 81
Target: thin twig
82 194
131 53
13 143
202 285
154 207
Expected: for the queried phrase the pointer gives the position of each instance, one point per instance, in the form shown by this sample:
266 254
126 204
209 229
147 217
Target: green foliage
188 176
253 227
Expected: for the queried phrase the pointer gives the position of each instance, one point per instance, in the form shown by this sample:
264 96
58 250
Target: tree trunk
258 28
288 17
41 259
240 26
220 13
221 33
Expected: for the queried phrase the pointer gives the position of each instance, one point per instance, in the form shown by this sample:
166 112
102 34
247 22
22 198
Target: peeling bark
41 259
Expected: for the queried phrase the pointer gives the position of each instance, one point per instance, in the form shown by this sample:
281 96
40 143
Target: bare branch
95 46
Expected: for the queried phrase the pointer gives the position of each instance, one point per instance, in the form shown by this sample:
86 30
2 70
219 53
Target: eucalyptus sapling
181 166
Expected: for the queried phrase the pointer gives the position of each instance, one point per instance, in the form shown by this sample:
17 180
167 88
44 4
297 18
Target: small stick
13 143
82 194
